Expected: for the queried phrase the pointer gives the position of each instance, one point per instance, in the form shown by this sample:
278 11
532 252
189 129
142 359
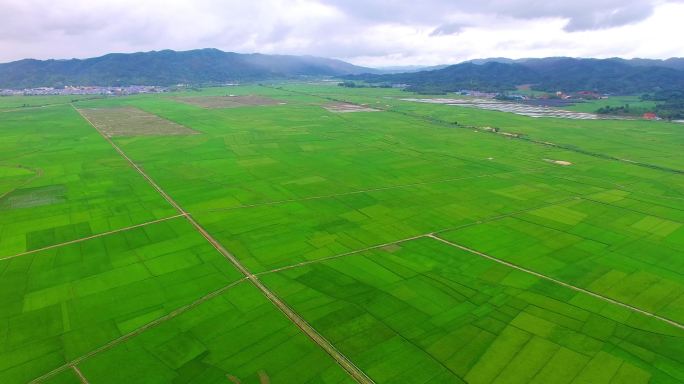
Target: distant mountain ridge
213 66
408 69
546 74
167 67
673 62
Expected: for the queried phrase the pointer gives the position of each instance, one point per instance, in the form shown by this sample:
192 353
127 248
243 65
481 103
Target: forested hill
204 66
550 74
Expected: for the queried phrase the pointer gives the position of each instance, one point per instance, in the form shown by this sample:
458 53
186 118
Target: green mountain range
212 66
617 76
203 66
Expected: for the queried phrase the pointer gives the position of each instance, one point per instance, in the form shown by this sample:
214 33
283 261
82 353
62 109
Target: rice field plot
631 253
237 337
332 211
232 101
274 235
424 312
287 186
60 304
129 121
12 177
62 181
647 141
294 152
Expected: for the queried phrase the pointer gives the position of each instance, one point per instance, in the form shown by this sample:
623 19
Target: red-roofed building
650 116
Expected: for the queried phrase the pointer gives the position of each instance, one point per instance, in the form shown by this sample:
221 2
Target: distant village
84 90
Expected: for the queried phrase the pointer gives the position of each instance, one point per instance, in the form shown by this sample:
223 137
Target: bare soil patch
347 108
559 162
216 102
130 121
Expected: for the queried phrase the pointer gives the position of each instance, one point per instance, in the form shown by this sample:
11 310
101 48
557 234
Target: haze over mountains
212 66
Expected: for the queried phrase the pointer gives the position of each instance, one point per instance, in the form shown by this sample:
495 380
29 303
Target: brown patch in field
559 162
263 378
216 102
347 108
391 248
130 121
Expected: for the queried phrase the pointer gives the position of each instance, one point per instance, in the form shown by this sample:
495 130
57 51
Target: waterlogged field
316 234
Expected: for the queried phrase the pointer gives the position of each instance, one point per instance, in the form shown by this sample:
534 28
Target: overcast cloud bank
368 32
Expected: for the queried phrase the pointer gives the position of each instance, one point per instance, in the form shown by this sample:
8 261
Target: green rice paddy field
414 243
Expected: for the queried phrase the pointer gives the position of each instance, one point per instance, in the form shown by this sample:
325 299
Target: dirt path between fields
82 239
304 326
30 108
80 375
433 235
556 281
123 338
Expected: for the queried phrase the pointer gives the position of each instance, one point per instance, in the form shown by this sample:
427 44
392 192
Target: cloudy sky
365 32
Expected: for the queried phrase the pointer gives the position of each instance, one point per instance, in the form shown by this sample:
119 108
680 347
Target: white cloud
369 32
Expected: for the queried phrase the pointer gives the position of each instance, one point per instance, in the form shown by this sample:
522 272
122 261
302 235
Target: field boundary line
82 239
356 373
36 174
359 191
80 374
340 255
416 237
175 313
17 109
30 108
433 235
558 282
489 257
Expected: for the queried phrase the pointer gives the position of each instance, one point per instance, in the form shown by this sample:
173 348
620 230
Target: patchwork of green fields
438 314
423 251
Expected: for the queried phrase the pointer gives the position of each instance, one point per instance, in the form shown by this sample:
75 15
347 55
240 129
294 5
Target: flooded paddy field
519 109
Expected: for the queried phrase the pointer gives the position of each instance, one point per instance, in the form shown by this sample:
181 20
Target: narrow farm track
489 257
404 240
26 108
434 235
124 229
356 373
82 239
152 324
34 107
18 109
103 234
559 282
80 375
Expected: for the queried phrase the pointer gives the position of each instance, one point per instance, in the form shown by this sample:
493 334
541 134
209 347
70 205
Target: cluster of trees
623 110
352 84
670 104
